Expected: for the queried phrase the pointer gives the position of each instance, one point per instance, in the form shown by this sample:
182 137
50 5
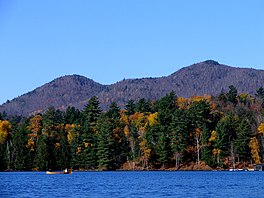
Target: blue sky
109 40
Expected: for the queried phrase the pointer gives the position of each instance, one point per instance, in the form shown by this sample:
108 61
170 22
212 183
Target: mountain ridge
207 77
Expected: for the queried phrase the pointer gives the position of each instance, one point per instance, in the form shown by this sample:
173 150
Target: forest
172 133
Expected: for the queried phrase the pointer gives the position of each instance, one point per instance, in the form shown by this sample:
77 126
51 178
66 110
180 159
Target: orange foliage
182 102
123 117
35 124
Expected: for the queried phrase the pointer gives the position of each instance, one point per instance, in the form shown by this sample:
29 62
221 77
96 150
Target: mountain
60 93
208 77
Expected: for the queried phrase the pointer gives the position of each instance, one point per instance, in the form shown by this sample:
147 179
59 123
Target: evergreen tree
226 132
21 156
242 140
165 108
179 134
260 93
72 116
130 107
87 157
42 155
163 148
142 106
91 113
200 117
232 95
113 111
106 145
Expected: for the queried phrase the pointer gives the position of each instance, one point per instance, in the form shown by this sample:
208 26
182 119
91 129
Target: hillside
60 93
208 77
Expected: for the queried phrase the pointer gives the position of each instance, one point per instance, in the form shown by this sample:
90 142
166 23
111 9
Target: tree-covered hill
208 77
200 132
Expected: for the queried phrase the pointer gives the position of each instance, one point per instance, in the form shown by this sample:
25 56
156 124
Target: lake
133 184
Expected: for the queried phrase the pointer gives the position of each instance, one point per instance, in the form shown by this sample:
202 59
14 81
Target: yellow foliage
79 149
123 117
199 98
35 124
213 136
5 130
153 119
261 128
243 96
254 146
31 144
146 152
69 128
182 102
216 152
126 131
70 137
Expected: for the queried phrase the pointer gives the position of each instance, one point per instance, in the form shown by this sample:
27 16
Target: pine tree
242 140
130 107
179 134
42 155
163 148
91 113
106 145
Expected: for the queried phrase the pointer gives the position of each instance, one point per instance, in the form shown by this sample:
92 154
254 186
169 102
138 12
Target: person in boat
66 170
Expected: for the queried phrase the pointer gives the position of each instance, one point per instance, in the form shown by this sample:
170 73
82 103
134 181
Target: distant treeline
172 132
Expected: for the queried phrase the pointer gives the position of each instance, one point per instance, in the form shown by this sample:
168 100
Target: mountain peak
210 62
207 77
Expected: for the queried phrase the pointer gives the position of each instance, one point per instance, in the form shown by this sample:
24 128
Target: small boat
66 171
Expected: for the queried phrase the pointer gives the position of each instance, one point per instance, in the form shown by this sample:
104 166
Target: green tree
179 134
243 138
165 108
199 114
91 113
42 155
113 111
142 106
232 95
163 148
130 107
260 92
106 145
226 132
22 158
72 116
87 150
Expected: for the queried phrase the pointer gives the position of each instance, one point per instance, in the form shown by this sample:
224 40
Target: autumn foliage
172 132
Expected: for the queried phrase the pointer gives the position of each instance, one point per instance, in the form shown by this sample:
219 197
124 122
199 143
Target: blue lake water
133 184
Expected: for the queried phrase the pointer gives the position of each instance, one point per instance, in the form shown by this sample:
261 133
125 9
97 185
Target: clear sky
109 40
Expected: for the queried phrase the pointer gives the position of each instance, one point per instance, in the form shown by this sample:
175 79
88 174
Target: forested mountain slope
208 77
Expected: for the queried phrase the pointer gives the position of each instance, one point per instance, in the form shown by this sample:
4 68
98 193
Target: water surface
133 184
